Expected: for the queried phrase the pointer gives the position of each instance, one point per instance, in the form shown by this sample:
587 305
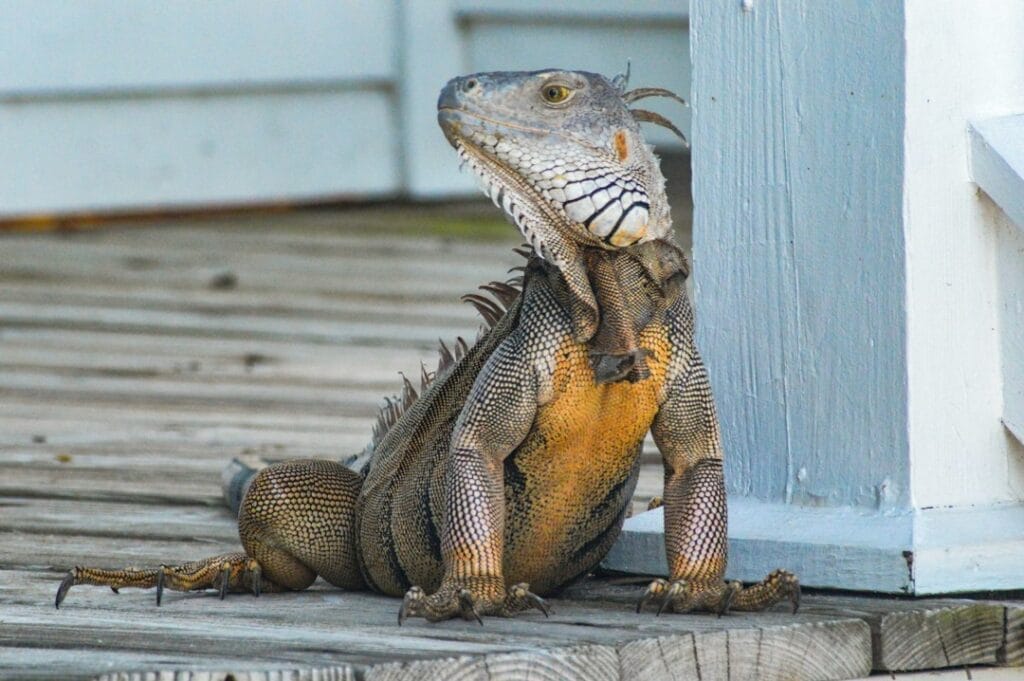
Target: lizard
509 474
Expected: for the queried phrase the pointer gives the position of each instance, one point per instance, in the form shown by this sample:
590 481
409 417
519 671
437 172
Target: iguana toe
520 598
444 604
655 592
778 586
467 606
719 596
453 600
676 597
412 604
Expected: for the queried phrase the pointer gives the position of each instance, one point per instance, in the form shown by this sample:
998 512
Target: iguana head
562 154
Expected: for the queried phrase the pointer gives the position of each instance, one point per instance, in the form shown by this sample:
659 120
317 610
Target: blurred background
113 107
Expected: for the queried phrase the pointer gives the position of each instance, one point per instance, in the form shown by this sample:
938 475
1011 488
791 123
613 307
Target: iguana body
511 474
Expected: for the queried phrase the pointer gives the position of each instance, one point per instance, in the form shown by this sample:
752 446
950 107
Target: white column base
928 551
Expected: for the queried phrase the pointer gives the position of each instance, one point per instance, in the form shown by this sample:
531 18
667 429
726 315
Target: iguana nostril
470 84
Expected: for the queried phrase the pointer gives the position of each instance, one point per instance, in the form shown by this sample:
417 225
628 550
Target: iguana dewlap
510 472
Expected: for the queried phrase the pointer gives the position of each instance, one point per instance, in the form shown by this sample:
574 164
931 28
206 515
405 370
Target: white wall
965 61
115 104
125 104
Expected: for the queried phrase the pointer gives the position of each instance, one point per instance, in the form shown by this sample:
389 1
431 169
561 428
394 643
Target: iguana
509 474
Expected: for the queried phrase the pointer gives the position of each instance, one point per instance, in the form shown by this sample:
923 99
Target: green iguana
510 474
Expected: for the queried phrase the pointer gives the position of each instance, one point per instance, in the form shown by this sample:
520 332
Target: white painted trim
592 11
825 547
368 83
930 551
997 162
113 46
177 152
1015 429
972 549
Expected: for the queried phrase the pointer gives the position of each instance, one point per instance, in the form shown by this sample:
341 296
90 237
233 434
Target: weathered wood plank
51 554
1012 652
288 304
394 232
936 638
359 274
136 520
583 663
193 386
388 333
146 420
412 233
925 633
293 246
343 673
164 485
786 653
359 384
378 368
188 348
367 635
907 635
347 435
47 664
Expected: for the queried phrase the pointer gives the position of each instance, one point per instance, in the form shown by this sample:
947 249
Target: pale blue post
848 306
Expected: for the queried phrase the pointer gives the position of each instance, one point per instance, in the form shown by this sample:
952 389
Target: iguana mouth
523 204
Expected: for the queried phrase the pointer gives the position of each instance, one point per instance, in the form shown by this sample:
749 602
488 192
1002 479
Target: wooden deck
136 360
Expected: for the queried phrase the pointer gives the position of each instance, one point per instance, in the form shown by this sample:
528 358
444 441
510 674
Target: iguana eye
555 94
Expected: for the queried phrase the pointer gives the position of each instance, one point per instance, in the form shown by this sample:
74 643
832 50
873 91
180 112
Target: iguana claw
520 598
675 590
160 585
65 586
439 606
720 597
255 572
467 606
681 595
225 577
450 601
655 589
411 604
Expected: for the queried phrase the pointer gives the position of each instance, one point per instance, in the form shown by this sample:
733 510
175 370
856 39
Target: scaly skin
511 474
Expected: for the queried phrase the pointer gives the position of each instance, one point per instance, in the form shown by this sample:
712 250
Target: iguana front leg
497 417
686 432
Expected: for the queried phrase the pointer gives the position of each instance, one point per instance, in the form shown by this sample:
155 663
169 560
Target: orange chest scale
588 434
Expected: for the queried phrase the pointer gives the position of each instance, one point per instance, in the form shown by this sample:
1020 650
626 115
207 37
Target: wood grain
597 663
1012 652
126 384
948 637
